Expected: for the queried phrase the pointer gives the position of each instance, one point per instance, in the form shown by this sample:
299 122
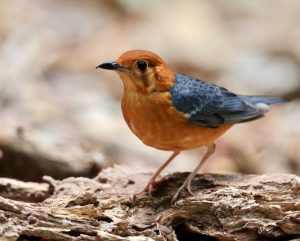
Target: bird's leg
210 150
151 182
187 183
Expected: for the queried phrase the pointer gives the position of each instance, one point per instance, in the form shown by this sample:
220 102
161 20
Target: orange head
142 71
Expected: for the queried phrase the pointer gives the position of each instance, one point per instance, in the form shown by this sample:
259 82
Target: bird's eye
142 65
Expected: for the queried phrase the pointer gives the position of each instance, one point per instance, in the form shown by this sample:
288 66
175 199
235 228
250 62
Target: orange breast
153 120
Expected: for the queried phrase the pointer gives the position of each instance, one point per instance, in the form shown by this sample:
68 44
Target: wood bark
224 207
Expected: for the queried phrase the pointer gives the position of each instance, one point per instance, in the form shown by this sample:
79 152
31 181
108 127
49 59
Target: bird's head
141 71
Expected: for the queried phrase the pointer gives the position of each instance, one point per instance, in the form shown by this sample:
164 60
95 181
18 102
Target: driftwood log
225 207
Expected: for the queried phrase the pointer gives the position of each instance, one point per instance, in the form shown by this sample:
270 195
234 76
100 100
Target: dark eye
142 65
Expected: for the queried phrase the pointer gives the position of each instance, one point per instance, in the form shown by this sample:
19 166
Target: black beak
111 65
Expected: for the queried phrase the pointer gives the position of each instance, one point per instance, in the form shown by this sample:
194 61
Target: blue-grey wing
211 105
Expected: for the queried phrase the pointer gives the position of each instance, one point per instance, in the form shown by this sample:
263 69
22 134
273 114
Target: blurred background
62 117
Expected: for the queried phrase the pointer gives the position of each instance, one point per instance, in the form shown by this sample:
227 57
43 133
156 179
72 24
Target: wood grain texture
225 207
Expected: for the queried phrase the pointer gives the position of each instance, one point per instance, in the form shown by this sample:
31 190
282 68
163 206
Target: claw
189 186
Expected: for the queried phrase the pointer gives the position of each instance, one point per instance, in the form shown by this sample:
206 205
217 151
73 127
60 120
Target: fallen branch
225 207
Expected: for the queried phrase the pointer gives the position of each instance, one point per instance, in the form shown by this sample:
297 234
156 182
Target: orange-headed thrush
175 112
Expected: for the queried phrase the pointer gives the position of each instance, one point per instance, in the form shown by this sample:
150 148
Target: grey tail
269 100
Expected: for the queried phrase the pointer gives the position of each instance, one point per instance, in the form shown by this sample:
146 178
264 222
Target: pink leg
151 182
188 181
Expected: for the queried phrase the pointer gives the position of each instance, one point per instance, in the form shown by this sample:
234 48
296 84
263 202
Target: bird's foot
148 187
188 182
186 185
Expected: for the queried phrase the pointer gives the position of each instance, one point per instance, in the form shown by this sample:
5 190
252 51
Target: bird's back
211 105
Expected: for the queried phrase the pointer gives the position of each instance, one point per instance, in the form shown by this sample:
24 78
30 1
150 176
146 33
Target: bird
175 112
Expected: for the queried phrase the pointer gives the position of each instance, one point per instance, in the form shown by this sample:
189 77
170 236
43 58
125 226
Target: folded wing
211 105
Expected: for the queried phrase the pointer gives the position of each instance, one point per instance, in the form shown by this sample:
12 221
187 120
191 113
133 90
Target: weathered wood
24 191
225 207
29 155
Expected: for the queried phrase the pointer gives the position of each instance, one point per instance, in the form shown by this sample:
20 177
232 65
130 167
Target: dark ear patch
145 80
